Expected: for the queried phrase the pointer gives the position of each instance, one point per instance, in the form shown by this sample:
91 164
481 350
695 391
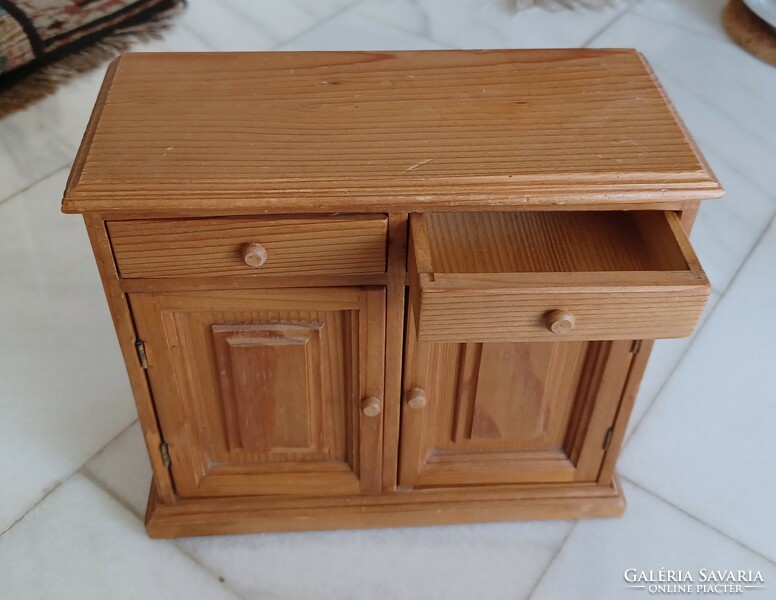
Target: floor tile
727 229
284 19
505 560
651 535
28 150
123 468
178 37
251 25
64 392
666 355
698 16
349 31
69 108
80 543
489 24
488 561
704 444
221 28
726 98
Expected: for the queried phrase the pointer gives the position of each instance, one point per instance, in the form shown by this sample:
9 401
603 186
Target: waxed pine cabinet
366 289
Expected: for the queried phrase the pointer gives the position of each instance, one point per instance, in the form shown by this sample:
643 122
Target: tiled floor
699 465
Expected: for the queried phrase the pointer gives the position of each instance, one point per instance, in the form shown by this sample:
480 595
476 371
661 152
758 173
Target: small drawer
479 277
333 245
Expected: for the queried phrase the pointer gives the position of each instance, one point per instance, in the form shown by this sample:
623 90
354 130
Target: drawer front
594 312
338 245
481 278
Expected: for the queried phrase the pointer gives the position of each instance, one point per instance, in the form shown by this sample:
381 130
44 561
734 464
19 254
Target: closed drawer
553 275
334 245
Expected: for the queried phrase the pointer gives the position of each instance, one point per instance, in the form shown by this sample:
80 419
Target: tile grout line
32 184
196 34
335 14
725 41
625 11
677 364
550 562
85 472
698 520
57 484
637 424
97 482
105 447
48 492
242 15
426 35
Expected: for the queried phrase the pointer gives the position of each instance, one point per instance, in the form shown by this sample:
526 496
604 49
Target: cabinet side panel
125 330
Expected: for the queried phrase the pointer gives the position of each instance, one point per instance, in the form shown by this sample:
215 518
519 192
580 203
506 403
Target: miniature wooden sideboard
365 289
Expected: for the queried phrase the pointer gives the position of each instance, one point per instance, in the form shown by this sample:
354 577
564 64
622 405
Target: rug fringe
46 80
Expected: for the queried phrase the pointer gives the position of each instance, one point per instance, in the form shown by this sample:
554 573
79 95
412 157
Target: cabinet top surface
403 131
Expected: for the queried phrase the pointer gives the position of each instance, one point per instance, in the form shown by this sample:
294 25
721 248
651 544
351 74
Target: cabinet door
508 412
259 391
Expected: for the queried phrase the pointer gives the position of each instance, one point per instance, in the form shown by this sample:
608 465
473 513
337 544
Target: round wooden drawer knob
372 406
560 321
417 398
254 255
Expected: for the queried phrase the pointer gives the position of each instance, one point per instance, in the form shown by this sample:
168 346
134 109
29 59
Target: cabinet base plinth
218 516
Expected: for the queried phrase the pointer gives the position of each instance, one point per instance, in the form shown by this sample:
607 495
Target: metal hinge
635 347
164 450
141 353
608 438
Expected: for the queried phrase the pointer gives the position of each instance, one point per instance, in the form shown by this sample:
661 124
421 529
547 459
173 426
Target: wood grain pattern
398 225
255 234
405 131
278 412
551 242
508 412
342 245
270 384
497 276
219 516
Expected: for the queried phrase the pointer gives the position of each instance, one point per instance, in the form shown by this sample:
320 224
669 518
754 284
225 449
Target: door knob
417 398
560 321
372 406
254 255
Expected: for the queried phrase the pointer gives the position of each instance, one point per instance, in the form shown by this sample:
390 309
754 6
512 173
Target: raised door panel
508 412
273 409
259 392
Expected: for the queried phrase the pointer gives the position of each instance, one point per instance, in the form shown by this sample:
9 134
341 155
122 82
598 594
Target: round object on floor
749 31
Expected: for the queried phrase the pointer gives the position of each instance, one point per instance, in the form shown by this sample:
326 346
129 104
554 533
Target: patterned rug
46 42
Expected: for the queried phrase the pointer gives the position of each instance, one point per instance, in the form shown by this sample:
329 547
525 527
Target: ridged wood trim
345 245
407 508
414 128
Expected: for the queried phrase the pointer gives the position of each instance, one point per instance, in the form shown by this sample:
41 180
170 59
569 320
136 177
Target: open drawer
479 277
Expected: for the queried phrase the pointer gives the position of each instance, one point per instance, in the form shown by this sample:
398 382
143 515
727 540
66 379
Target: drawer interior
553 242
524 276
